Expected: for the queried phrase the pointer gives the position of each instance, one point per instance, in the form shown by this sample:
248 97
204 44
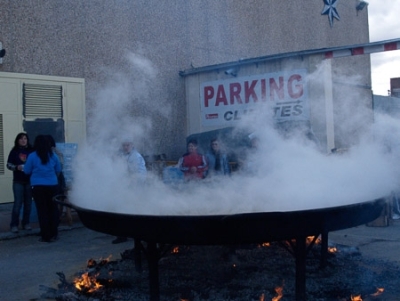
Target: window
42 101
43 110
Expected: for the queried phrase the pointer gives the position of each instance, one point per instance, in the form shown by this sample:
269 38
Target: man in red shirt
192 164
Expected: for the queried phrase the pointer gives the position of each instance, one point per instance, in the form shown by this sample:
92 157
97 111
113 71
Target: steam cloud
291 173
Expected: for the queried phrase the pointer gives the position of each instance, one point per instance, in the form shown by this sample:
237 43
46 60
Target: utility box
38 104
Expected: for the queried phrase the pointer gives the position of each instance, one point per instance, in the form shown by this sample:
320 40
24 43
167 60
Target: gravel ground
251 272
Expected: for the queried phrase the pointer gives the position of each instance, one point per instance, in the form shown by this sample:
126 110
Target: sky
384 24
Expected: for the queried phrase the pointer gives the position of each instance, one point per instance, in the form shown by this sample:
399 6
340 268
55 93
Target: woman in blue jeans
21 184
44 167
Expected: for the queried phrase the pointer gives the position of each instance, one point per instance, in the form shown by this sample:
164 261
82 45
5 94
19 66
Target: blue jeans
22 196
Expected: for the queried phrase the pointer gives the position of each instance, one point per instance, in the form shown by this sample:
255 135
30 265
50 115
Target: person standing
62 189
21 183
136 170
192 164
44 167
217 160
249 161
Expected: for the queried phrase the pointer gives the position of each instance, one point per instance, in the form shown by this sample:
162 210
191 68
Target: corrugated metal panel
2 161
42 101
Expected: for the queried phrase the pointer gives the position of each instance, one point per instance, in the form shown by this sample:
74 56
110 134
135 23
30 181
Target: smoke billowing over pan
290 172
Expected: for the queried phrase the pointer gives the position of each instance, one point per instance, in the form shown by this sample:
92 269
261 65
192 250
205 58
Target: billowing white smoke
288 174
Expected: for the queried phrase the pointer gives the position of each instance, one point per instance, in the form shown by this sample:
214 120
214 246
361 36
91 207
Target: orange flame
87 283
379 291
175 250
309 239
264 244
279 291
332 249
92 263
356 298
262 297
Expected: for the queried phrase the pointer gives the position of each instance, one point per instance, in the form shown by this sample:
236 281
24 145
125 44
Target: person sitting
136 169
217 160
192 164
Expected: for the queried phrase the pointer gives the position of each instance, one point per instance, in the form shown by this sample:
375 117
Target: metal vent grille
42 101
2 164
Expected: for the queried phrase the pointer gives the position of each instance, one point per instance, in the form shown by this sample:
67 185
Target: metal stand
153 256
137 255
324 249
300 252
299 249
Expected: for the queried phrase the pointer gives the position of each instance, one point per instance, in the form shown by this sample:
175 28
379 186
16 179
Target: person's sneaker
119 240
395 216
27 227
14 229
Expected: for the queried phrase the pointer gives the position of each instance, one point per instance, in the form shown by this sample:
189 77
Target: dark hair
19 136
51 140
192 141
43 149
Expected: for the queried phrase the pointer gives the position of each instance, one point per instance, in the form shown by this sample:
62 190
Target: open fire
279 291
87 283
379 291
279 294
205 273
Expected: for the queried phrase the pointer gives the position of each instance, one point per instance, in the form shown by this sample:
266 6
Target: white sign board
225 102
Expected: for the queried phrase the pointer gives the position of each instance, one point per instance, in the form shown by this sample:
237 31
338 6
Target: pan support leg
137 255
300 255
324 249
153 256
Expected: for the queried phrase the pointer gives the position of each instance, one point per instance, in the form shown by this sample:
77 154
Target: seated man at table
192 164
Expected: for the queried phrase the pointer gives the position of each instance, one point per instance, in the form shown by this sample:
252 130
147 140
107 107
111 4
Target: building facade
91 39
145 44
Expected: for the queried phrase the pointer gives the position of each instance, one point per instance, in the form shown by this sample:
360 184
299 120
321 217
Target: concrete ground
26 264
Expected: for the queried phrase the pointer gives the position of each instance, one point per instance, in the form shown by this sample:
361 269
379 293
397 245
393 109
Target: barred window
42 101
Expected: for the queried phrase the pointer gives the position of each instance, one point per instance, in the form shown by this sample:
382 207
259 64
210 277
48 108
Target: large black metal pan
230 229
242 228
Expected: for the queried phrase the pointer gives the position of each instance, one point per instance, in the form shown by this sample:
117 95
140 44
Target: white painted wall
11 107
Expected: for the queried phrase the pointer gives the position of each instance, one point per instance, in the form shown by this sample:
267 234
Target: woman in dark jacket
21 184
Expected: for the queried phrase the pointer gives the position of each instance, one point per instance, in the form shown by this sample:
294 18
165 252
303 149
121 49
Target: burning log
379 291
87 283
356 298
279 291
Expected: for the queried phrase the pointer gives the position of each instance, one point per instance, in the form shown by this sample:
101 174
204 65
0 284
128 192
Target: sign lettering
225 102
